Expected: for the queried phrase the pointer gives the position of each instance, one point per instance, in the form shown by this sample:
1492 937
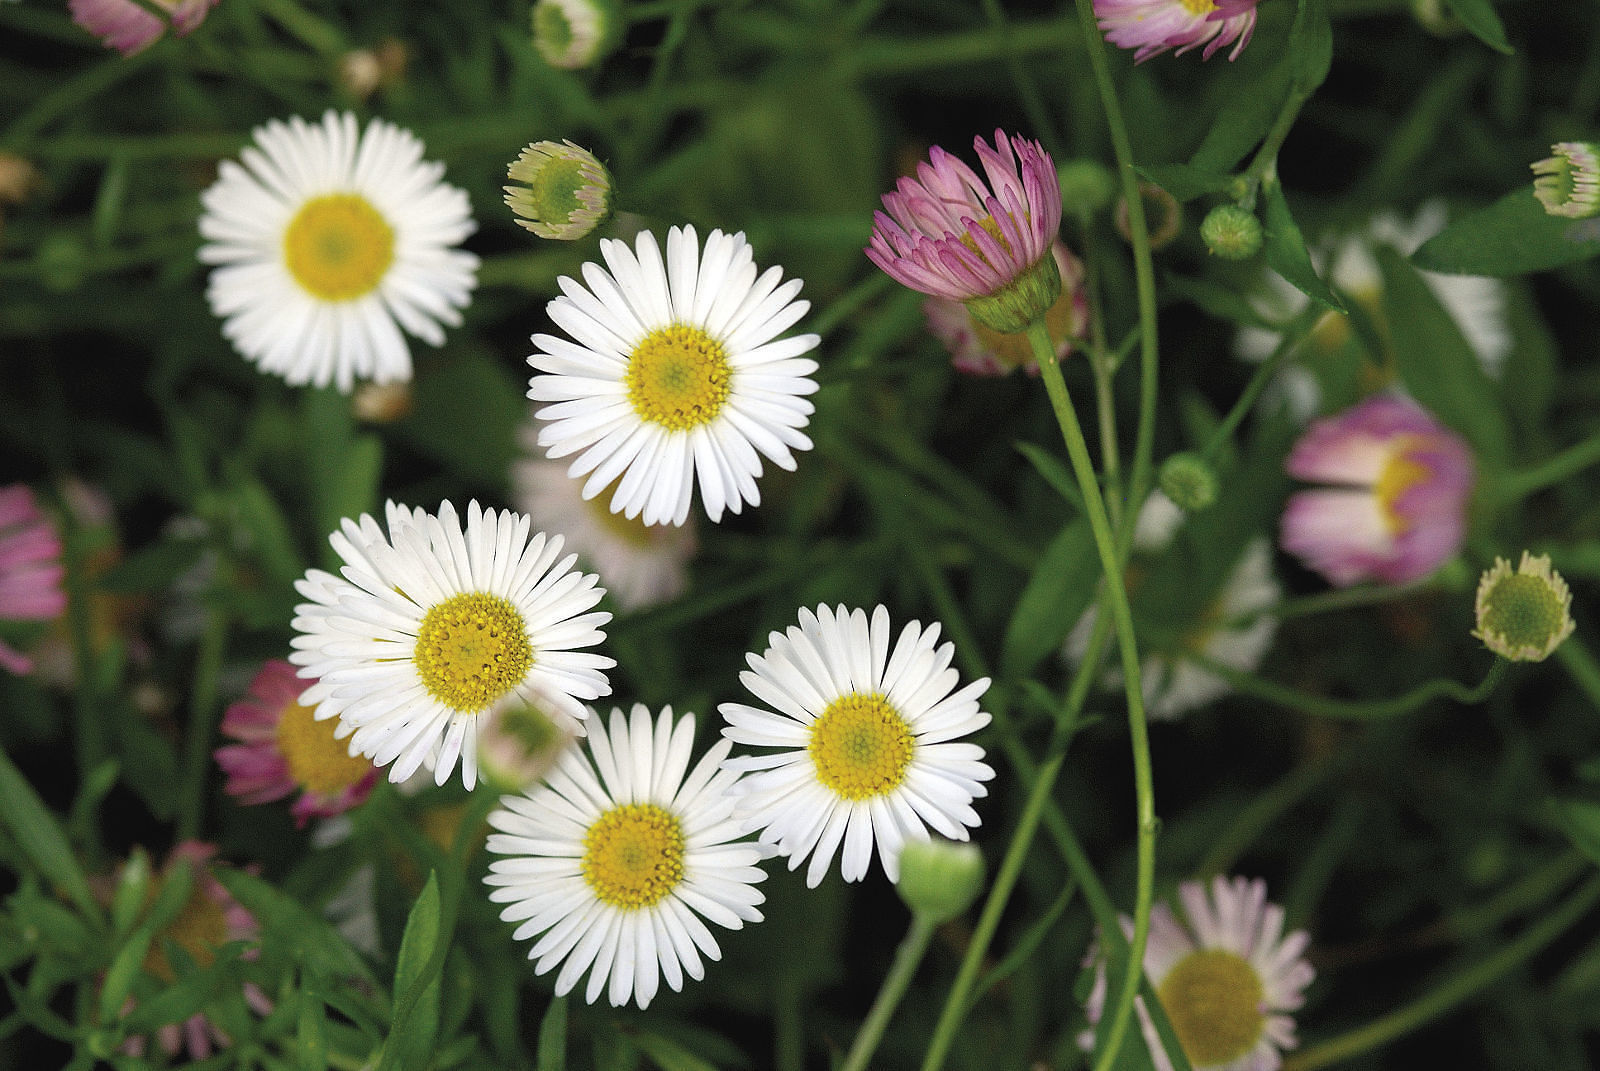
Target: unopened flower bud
1525 615
1014 307
518 743
1189 481
939 879
1087 186
572 34
565 191
1568 182
1231 232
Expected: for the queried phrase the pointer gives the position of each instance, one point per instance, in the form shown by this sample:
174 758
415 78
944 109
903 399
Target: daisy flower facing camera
618 870
1153 26
675 375
867 737
430 626
328 241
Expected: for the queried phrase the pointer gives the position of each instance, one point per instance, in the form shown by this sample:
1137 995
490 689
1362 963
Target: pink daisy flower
950 234
283 748
129 28
30 568
1153 26
982 351
1396 507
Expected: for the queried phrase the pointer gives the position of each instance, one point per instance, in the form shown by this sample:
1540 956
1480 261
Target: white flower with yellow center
675 375
617 871
428 627
867 737
328 241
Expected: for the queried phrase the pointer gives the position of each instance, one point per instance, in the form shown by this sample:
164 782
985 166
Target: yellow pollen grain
338 247
678 377
1400 474
199 929
472 649
861 746
633 855
318 761
1213 999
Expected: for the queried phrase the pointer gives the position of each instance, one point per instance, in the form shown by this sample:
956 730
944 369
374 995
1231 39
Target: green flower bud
1087 186
565 191
572 34
1014 308
939 879
1525 615
1189 481
1231 232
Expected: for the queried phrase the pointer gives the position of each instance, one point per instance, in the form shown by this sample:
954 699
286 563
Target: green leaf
303 934
416 980
553 1037
124 971
1218 300
1310 51
1187 181
41 838
1478 16
668 1055
1513 236
1435 361
1286 249
1580 821
311 1042
466 415
1054 471
260 516
1060 588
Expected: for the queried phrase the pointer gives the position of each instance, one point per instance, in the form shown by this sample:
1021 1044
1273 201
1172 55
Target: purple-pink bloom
30 568
129 28
949 233
1153 26
1395 507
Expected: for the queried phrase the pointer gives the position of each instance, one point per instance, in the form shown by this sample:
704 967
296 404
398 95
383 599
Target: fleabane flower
1523 615
329 240
129 28
620 872
675 375
951 234
561 190
979 350
867 737
1153 26
1225 973
573 34
430 625
30 568
1567 182
282 748
1394 505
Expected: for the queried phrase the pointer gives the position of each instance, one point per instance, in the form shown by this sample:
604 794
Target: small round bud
573 34
939 879
382 403
1523 615
565 191
1029 298
1189 481
1087 186
1231 232
1163 215
1567 183
517 744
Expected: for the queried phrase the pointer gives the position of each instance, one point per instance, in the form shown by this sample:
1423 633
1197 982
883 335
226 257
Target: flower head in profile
430 625
979 350
30 568
1225 974
1153 26
951 234
572 34
329 240
1393 505
129 28
1523 615
282 748
867 738
519 742
562 191
1567 182
621 858
675 375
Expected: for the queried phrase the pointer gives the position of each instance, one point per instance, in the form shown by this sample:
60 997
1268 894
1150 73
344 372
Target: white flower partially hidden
428 627
329 241
617 871
867 737
675 375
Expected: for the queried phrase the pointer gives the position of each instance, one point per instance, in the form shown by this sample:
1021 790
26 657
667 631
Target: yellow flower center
1400 474
678 377
319 763
861 746
338 247
1525 610
472 649
1198 7
1213 999
200 929
633 855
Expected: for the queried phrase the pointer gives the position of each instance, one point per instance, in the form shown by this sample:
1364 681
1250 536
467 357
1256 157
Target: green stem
789 1049
1580 665
1352 709
911 55
1453 991
894 985
202 718
1547 473
1292 336
1327 601
1116 597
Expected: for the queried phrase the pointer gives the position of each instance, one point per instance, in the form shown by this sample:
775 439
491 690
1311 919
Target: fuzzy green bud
1087 186
1231 232
1012 309
939 879
1524 615
1189 481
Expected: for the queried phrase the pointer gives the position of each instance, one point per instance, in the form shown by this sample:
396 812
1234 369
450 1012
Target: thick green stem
1356 710
1116 598
894 985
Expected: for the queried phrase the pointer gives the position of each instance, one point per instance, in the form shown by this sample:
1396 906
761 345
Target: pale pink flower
30 568
1153 26
982 351
129 28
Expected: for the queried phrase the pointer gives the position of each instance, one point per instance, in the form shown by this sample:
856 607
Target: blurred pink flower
982 351
129 28
1153 26
1395 508
30 567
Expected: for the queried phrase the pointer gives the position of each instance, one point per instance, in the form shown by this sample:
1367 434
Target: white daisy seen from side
429 626
620 862
675 375
328 241
868 737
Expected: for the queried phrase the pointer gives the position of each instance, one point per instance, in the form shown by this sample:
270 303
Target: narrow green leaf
416 980
1218 300
311 1040
1580 821
132 893
668 1055
1310 51
1286 249
1054 471
553 1037
1479 17
260 515
1187 181
1025 946
1056 595
124 971
1513 236
40 836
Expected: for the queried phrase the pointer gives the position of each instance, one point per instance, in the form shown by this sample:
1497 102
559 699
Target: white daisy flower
867 737
643 564
677 375
1225 974
617 871
329 240
428 627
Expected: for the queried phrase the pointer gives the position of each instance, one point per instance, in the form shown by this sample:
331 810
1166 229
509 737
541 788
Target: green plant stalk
1547 473
1580 665
1116 598
1292 336
1356 710
1451 992
202 717
1327 601
909 55
906 960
